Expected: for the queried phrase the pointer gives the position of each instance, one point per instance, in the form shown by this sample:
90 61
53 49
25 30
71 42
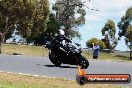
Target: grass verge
109 56
24 50
41 51
20 81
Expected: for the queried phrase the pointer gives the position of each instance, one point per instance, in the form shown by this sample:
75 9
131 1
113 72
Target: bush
94 40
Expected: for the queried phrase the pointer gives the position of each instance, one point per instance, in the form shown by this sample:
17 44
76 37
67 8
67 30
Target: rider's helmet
61 32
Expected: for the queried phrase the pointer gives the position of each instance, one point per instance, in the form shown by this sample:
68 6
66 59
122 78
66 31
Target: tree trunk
130 54
2 34
67 32
0 44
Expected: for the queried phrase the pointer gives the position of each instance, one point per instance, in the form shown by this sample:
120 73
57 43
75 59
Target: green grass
24 50
19 85
109 56
41 51
20 81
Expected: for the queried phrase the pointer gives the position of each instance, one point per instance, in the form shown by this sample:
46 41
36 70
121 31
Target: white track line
33 75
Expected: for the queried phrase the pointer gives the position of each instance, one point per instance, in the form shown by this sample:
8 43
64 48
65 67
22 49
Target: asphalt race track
43 67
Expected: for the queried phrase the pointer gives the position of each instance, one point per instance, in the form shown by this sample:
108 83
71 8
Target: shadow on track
60 66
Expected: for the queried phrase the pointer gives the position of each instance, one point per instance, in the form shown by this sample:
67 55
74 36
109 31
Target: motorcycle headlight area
75 51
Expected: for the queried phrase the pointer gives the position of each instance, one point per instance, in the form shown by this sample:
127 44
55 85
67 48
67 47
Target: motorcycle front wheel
84 63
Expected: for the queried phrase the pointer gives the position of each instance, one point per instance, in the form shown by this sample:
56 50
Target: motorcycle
66 53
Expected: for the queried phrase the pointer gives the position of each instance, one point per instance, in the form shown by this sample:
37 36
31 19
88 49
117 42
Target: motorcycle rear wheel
56 63
54 60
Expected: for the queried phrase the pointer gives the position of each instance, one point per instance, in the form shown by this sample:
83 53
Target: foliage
34 19
28 17
108 31
65 13
128 38
125 22
125 26
53 27
94 40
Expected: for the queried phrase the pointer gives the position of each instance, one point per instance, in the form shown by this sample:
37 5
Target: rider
61 36
96 49
62 40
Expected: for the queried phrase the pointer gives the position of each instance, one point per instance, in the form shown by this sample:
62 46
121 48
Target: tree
34 18
128 39
108 31
28 17
94 40
53 27
6 18
65 13
125 26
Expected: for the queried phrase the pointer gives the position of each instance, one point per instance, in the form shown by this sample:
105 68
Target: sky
95 20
